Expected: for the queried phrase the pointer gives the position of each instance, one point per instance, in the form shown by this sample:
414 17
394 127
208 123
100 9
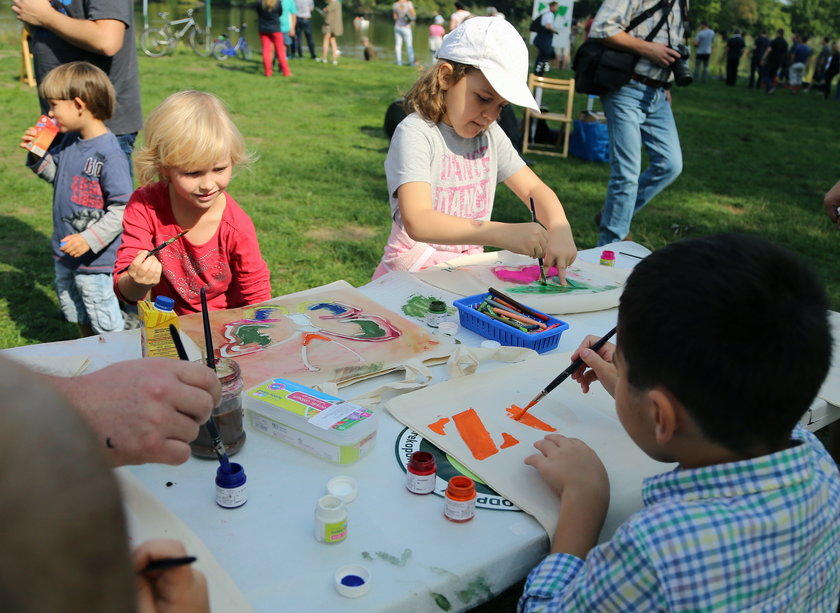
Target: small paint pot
607 258
449 328
352 581
459 501
230 487
437 313
490 344
421 473
343 487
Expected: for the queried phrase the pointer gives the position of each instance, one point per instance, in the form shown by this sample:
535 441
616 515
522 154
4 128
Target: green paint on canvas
417 306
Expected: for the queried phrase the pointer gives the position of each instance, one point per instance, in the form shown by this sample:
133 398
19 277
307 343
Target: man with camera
639 113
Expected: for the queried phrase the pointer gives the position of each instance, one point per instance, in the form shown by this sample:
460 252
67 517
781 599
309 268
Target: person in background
303 27
492 11
458 17
288 25
333 28
271 39
404 15
436 34
448 155
733 52
819 64
703 51
755 497
544 40
799 57
832 67
69 549
638 114
760 45
772 60
91 186
190 148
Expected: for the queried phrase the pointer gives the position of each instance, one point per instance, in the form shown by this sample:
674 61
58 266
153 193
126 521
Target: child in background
69 549
271 38
184 167
716 363
91 185
436 33
448 154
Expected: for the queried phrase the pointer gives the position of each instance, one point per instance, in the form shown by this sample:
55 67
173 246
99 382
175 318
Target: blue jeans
126 142
88 299
403 33
637 115
303 27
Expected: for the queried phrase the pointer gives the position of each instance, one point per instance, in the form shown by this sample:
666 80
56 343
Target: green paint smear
555 288
478 588
366 556
417 306
401 561
442 601
250 333
370 329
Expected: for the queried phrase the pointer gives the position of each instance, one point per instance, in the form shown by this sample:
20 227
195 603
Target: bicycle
156 42
223 48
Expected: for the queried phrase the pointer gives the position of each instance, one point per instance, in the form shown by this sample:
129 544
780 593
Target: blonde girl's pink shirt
229 265
463 174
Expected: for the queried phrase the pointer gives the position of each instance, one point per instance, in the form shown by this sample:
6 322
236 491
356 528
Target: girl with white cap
448 154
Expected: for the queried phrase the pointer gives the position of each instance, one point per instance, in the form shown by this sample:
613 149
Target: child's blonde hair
426 95
189 130
84 81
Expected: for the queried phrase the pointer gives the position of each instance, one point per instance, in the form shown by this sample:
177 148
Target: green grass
317 192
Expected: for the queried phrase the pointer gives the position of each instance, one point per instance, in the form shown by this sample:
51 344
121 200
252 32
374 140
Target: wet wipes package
320 424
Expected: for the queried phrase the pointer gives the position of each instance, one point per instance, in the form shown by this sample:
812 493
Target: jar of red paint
421 473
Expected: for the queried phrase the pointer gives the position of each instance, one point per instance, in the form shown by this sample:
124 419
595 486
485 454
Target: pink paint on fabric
522 275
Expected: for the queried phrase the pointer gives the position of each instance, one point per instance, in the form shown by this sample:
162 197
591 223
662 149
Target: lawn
317 192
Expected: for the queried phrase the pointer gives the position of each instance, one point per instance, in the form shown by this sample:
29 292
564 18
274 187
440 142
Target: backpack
536 24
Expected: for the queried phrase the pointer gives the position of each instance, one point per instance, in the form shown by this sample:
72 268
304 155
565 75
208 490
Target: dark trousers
303 26
732 70
755 72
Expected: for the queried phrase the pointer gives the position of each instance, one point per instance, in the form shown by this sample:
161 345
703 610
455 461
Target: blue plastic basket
487 327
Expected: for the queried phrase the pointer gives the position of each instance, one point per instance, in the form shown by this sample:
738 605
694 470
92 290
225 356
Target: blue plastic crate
487 327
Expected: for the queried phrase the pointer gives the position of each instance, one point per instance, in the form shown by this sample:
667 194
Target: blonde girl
448 154
184 166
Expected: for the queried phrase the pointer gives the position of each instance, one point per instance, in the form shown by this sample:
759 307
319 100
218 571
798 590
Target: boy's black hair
735 327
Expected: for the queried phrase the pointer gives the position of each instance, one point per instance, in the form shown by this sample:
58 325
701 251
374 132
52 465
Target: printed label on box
45 132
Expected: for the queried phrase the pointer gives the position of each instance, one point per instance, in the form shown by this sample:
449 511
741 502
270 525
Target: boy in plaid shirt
723 343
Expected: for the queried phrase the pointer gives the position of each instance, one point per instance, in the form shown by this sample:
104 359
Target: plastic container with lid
320 424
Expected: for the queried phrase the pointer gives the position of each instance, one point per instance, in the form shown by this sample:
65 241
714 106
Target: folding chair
538 85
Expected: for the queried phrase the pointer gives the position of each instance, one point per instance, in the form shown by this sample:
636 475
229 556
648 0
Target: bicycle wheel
245 52
155 42
200 42
219 50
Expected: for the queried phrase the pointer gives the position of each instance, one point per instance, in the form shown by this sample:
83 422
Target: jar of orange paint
459 502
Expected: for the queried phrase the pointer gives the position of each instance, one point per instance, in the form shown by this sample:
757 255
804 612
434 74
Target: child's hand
27 138
528 239
145 271
180 589
599 366
570 467
74 245
561 250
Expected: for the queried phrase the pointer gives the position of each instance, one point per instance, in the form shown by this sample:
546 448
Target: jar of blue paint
230 487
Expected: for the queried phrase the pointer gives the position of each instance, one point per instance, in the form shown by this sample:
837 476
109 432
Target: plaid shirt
756 535
615 15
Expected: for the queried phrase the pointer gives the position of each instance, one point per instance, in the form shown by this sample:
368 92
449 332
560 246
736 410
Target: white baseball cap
497 49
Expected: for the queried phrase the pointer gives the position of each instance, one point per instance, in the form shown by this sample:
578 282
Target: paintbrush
565 374
166 563
157 249
218 445
540 260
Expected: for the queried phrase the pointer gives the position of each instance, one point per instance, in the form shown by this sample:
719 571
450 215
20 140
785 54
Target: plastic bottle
154 333
459 502
230 487
437 313
421 473
330 520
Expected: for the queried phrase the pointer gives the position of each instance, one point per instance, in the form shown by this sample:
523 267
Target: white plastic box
320 424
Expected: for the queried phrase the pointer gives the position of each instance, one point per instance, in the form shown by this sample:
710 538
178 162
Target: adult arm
657 53
145 410
832 203
102 36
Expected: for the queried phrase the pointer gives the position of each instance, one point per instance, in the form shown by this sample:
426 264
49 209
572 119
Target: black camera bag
600 69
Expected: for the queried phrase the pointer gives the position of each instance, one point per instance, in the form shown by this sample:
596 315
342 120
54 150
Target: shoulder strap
642 16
